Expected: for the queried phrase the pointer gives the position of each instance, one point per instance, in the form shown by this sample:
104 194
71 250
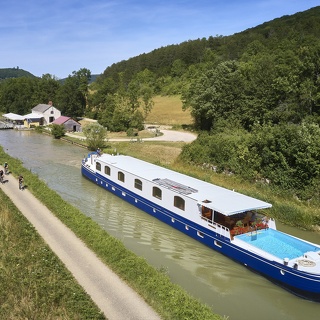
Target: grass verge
34 283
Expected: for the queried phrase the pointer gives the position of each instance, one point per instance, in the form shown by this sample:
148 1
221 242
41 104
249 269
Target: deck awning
230 203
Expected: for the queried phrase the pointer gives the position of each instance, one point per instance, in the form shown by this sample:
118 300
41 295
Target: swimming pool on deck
277 243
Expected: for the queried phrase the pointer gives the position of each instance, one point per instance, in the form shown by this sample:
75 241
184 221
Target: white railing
219 228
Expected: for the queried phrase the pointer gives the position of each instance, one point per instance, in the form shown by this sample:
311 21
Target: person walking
6 168
21 182
1 176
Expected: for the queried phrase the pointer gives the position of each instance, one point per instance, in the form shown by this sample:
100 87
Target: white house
46 111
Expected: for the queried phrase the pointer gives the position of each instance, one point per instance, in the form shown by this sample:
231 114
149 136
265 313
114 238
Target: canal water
227 287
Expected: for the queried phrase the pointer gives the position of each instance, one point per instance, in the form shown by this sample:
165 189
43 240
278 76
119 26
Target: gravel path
167 135
115 299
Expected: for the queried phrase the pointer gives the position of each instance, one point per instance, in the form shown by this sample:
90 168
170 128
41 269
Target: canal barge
227 221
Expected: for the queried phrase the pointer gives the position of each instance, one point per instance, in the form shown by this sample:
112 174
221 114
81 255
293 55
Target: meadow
167 110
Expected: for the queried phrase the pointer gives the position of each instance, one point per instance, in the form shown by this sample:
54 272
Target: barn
70 125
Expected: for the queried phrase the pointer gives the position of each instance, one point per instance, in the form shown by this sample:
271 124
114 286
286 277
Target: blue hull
300 283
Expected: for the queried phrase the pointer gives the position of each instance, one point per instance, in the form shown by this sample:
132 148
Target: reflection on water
227 287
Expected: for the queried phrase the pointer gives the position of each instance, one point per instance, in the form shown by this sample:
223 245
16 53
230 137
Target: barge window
138 184
157 193
98 166
107 170
121 176
179 202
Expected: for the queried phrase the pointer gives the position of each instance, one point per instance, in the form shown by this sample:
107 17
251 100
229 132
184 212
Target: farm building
68 123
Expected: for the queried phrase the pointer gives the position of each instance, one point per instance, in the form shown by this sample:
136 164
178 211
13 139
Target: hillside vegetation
254 97
7 73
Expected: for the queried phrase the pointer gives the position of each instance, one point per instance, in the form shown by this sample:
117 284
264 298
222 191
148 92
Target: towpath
115 299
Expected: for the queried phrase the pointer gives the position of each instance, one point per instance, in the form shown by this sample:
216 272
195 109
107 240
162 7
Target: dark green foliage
57 131
71 97
122 108
287 155
46 89
16 95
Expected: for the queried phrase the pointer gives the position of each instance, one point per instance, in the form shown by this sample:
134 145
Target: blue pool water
277 243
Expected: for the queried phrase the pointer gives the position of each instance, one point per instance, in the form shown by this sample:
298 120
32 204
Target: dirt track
115 299
167 135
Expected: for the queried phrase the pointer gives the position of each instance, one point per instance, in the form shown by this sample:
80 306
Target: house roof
13 116
33 116
61 120
41 107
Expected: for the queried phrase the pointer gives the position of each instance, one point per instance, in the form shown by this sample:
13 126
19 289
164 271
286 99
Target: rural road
170 135
167 135
115 299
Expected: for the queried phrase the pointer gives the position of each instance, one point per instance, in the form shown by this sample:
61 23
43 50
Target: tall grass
162 153
167 110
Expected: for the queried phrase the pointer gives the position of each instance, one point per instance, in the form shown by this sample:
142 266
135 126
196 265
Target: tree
46 89
95 135
16 95
72 95
58 131
70 99
84 77
217 94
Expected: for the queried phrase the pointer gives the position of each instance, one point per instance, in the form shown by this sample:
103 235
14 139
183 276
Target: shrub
57 131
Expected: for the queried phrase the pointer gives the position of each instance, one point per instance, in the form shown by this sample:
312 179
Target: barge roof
220 199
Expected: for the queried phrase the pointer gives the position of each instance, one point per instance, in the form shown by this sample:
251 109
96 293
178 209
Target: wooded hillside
7 73
287 31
